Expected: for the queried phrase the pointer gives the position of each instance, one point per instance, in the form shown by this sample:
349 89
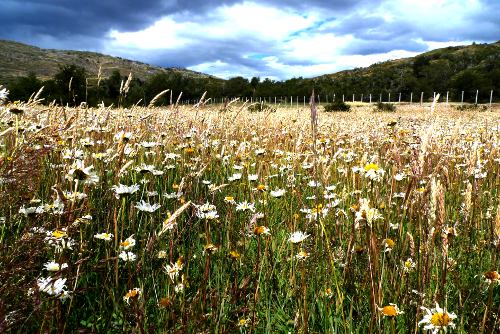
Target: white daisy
127 256
437 319
104 236
277 193
147 207
245 206
297 237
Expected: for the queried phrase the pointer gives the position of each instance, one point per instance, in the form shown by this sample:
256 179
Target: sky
263 38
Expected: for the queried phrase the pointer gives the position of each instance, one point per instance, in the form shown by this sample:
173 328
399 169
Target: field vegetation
216 219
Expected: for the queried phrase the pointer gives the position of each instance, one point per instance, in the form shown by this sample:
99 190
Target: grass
399 212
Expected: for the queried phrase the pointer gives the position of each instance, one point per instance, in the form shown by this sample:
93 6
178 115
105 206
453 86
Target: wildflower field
215 219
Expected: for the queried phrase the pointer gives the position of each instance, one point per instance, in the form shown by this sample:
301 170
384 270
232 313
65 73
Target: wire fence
448 97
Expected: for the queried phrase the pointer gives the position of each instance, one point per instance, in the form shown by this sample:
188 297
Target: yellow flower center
370 167
389 311
132 293
317 209
234 255
58 234
389 243
258 230
229 198
261 187
440 319
210 248
492 275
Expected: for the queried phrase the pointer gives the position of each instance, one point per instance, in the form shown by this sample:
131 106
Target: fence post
352 98
399 99
447 98
333 97
343 98
491 97
411 98
370 98
462 101
477 93
421 98
304 101
361 98
380 99
389 99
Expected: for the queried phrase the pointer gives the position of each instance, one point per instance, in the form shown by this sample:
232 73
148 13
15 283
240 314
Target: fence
411 98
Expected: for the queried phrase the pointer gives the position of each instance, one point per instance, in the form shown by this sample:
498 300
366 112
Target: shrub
471 107
337 106
261 107
385 107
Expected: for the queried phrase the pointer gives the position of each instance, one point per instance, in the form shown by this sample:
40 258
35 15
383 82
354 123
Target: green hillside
466 68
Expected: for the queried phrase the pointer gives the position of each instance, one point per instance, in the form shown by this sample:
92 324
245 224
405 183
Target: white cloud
255 39
163 34
240 21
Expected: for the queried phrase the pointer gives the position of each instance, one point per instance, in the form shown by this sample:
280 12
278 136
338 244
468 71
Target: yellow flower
302 255
243 322
408 265
135 292
390 310
492 276
59 234
164 302
234 255
261 187
211 248
371 166
389 244
259 230
440 319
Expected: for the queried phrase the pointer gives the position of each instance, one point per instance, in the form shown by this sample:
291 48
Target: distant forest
453 69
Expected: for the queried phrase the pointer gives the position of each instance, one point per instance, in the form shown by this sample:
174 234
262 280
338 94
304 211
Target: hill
452 69
18 60
466 68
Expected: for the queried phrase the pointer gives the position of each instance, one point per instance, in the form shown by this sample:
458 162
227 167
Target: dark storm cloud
95 17
92 17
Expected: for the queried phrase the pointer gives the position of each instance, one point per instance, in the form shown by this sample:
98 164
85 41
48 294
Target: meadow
215 219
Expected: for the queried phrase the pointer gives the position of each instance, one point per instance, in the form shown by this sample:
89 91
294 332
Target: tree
237 86
70 83
23 87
